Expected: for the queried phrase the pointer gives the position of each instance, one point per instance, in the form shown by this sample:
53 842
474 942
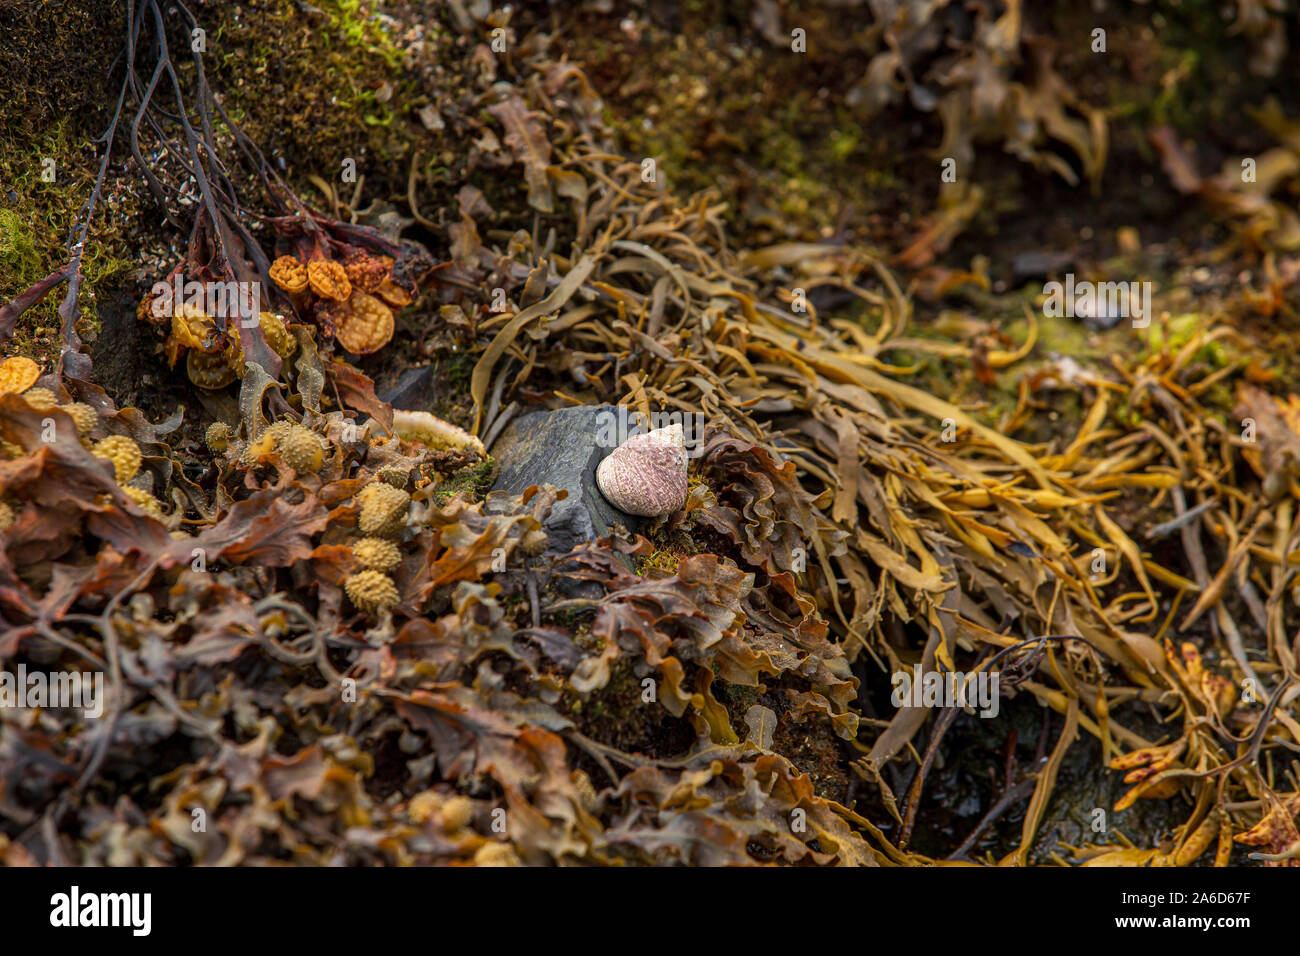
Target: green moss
358 28
797 159
39 203
659 560
18 254
741 697
472 482
458 369
617 711
1173 335
323 69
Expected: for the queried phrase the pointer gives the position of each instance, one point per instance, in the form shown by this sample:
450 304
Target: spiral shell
646 475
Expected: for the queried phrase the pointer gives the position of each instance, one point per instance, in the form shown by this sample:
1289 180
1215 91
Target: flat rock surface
413 389
563 448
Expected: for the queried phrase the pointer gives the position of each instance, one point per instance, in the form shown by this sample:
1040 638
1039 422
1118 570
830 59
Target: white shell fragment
646 475
428 430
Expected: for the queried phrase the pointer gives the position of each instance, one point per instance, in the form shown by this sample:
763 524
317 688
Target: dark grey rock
1039 264
563 448
414 388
